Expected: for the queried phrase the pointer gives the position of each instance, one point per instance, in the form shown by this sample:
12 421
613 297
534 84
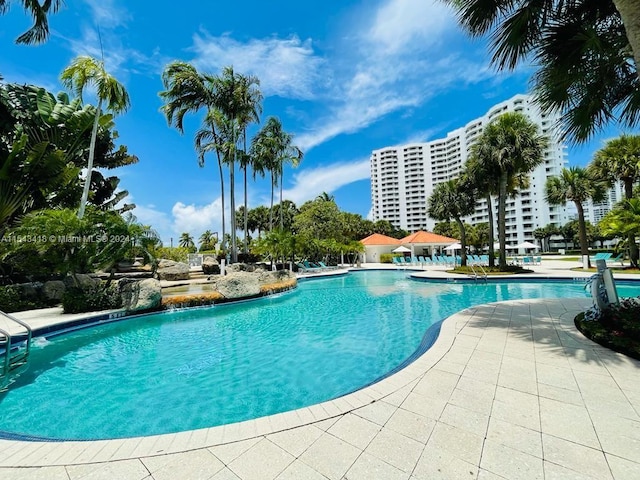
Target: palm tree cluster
617 161
509 148
231 102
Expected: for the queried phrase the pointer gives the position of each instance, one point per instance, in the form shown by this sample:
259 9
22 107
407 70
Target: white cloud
106 14
400 60
195 219
286 67
400 24
310 183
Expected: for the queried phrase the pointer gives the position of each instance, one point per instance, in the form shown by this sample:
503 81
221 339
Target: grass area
510 270
569 259
616 328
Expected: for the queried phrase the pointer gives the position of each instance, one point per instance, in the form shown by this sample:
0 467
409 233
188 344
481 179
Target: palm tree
452 199
251 109
477 169
624 220
186 241
187 91
575 184
85 71
325 197
272 147
511 148
619 160
207 240
588 52
39 32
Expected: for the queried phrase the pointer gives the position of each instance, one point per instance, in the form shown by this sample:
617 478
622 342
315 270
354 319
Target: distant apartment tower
403 177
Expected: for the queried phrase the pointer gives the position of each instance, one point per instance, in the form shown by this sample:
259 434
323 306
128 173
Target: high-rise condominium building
403 177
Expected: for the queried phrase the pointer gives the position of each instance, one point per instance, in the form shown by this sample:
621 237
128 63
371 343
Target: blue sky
344 77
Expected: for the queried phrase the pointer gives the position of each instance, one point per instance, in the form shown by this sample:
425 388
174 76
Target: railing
475 275
15 347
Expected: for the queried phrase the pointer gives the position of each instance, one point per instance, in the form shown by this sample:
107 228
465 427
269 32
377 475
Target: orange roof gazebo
428 238
379 239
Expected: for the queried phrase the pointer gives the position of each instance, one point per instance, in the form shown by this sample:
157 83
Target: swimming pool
198 368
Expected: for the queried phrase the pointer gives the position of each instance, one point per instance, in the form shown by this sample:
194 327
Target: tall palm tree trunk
271 208
502 220
246 212
92 153
582 233
463 243
630 14
232 206
631 238
222 243
281 212
492 259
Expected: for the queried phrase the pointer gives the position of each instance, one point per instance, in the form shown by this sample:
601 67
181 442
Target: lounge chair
618 258
326 267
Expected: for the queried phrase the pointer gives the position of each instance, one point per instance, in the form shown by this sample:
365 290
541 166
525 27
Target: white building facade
403 177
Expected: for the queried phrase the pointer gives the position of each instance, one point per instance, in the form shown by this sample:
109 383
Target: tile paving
510 390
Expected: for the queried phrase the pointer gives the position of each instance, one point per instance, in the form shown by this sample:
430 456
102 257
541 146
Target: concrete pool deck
509 390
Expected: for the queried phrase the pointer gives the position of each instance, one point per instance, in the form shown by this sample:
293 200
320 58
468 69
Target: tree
43 144
188 91
39 31
544 234
318 220
452 200
587 69
84 71
186 241
510 147
623 220
568 232
619 160
325 197
271 148
446 229
259 219
250 111
208 240
577 185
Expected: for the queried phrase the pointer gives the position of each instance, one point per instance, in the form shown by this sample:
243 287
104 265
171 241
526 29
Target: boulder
53 290
85 281
140 295
277 276
238 285
210 266
29 291
170 270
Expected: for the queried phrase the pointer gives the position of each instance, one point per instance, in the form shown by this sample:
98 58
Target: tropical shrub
13 299
387 257
91 299
617 327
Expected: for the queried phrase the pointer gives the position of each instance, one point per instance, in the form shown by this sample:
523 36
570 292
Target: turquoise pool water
199 368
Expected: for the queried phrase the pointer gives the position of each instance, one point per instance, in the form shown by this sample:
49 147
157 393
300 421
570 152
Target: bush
91 299
616 327
13 299
387 257
177 254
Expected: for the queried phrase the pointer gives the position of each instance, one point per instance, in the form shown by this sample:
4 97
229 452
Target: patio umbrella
527 245
401 249
454 246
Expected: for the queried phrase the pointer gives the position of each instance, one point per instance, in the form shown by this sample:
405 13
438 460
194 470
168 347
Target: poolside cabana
419 243
427 243
377 244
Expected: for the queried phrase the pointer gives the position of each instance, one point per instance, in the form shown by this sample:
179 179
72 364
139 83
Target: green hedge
388 257
91 299
13 299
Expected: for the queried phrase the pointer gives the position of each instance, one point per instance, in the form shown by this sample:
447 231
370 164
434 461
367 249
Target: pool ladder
476 276
15 346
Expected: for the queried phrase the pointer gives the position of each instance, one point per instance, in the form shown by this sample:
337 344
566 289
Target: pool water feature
204 367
